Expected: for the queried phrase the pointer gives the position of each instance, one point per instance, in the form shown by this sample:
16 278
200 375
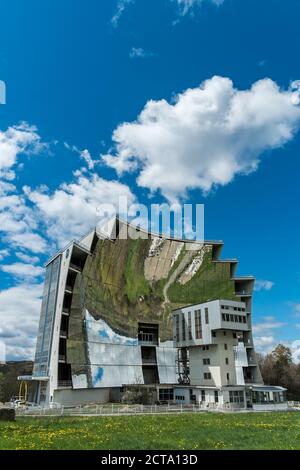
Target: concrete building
113 315
216 362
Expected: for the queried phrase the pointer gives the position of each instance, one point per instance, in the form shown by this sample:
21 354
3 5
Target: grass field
197 431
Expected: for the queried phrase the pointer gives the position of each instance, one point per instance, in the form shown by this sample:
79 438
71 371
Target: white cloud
29 241
15 216
207 136
263 334
22 270
17 220
187 5
6 187
295 348
71 210
268 325
121 6
18 224
262 63
269 318
139 52
261 284
84 155
3 253
184 7
264 344
297 310
27 258
16 140
19 316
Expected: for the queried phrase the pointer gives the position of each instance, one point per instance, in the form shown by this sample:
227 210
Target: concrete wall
182 392
214 322
166 365
218 367
81 397
270 407
116 360
209 396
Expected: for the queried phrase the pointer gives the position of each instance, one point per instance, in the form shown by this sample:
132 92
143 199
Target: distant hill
9 385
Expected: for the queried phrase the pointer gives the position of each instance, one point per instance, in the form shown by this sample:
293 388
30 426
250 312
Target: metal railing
143 342
75 266
149 361
112 409
118 409
64 383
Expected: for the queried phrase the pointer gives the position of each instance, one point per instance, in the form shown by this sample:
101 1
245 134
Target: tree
278 368
2 379
282 355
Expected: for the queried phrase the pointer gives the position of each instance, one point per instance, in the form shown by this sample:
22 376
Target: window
213 333
225 346
224 333
234 334
234 318
202 395
206 316
198 326
207 376
206 361
179 397
190 326
146 337
227 375
226 361
236 396
177 328
166 394
183 327
205 348
48 307
216 396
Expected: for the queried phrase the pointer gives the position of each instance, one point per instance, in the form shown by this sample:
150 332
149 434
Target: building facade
216 361
114 314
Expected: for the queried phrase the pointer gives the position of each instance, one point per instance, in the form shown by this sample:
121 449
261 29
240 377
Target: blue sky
77 71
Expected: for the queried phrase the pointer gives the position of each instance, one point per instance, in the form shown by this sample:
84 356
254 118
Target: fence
118 409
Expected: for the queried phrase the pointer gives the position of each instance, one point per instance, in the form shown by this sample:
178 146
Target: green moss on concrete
136 286
211 281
